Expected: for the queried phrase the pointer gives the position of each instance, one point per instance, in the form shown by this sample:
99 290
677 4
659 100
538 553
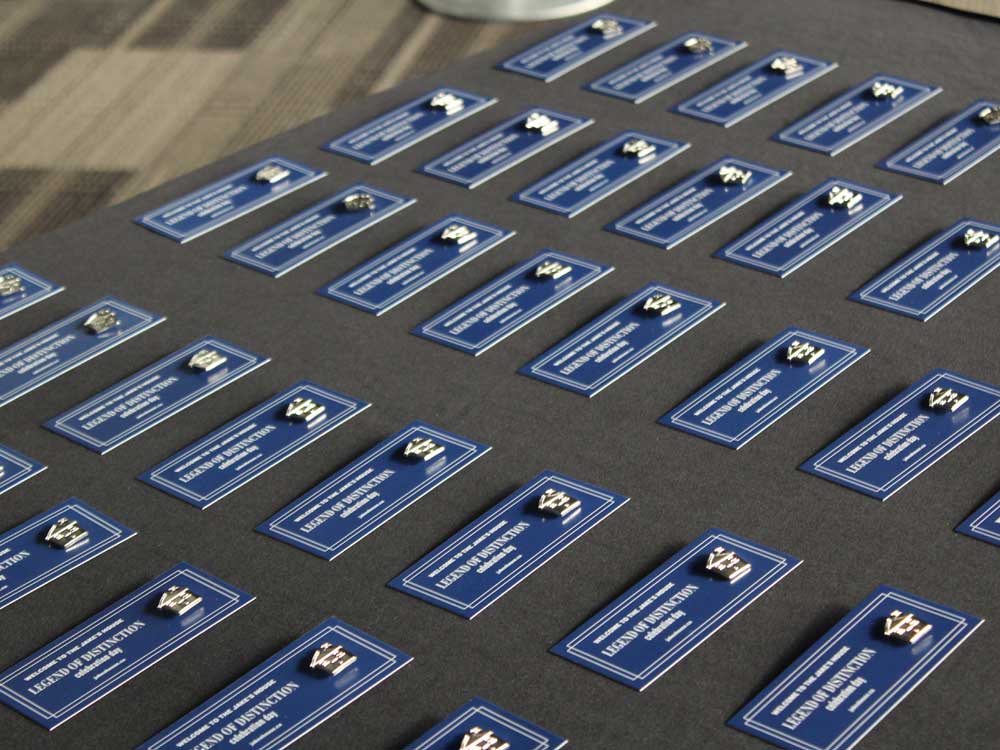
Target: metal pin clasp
178 600
730 175
606 27
447 102
540 123
101 321
841 197
359 202
66 534
979 239
697 45
639 148
990 115
552 269
557 503
302 409
726 564
331 659
788 66
482 739
271 174
458 234
946 399
660 304
905 627
422 449
802 352
11 283
886 90
206 360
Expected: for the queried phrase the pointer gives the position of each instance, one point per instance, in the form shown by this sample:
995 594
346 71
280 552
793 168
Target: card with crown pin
481 725
15 468
244 448
104 652
225 200
984 523
861 669
20 288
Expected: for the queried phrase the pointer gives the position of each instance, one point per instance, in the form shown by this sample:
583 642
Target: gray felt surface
680 485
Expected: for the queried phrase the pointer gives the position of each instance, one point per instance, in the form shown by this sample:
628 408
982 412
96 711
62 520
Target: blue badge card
639 636
500 148
315 230
621 339
512 300
396 131
52 544
665 66
61 346
103 653
856 114
577 45
893 445
494 553
852 677
16 468
754 87
694 203
598 173
984 524
487 723
372 490
949 149
934 275
240 450
20 288
763 387
229 198
289 694
413 264
150 396
806 227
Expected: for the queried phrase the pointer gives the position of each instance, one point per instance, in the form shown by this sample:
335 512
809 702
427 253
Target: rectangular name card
20 288
763 387
16 468
621 339
600 172
61 346
700 200
53 543
665 66
485 723
289 694
482 562
315 230
500 148
639 636
240 450
806 227
577 45
852 677
893 445
984 524
937 272
856 114
752 88
949 149
413 264
397 130
493 312
229 198
154 394
109 649
372 489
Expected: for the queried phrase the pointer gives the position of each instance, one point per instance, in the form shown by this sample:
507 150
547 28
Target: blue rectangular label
409 266
372 490
754 87
106 651
397 130
890 447
168 386
603 170
984 524
20 288
665 66
856 114
806 227
936 273
577 45
28 561
500 148
229 198
16 468
493 312
852 677
946 151
647 630
693 204
69 342
621 339
315 230
246 447
494 553
763 387
513 732
285 696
